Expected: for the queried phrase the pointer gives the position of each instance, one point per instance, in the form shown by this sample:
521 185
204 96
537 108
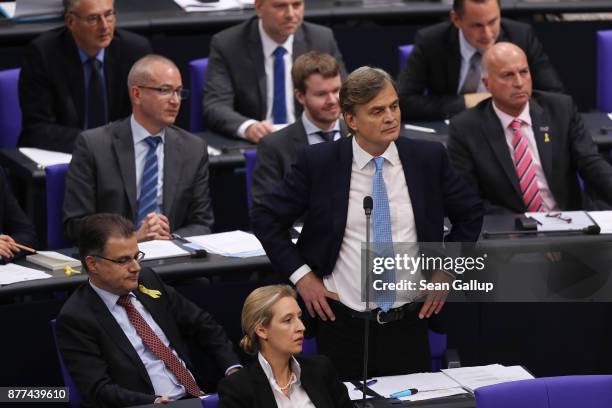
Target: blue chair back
197 74
212 401
55 177
10 112
404 52
73 392
593 391
604 68
250 157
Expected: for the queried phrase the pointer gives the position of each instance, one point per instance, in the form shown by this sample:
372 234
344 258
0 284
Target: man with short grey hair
73 77
327 185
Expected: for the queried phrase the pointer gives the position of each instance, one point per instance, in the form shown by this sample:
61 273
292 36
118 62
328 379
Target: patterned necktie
383 241
472 79
327 136
96 109
147 202
157 347
525 169
279 105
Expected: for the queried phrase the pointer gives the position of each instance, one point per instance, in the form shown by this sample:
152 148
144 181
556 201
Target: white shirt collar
139 133
506 119
311 128
362 158
466 49
269 45
109 299
267 369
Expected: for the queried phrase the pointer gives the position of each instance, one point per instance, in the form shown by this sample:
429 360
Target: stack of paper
474 377
45 158
53 260
233 243
159 249
11 273
219 5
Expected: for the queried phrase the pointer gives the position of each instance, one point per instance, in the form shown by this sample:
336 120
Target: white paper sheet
472 378
233 243
159 249
579 220
603 219
195 6
12 273
45 158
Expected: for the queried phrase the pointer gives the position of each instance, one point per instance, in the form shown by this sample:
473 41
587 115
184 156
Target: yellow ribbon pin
69 270
546 138
149 292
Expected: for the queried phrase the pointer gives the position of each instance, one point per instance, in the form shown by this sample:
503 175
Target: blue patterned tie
383 241
279 106
147 202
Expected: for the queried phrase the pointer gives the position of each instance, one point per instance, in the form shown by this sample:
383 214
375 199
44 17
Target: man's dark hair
313 62
97 229
361 86
458 5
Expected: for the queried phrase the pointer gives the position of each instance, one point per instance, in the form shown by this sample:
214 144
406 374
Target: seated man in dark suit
248 86
124 335
143 167
316 77
523 151
327 185
442 75
73 77
15 227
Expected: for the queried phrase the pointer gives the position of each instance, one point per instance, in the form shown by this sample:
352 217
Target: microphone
368 204
590 230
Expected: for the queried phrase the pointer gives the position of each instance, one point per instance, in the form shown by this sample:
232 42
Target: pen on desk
25 248
419 128
368 383
404 393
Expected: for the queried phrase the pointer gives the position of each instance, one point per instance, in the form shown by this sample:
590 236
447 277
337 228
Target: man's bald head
505 73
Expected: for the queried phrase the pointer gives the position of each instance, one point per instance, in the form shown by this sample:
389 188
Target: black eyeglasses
124 260
95 19
559 216
167 91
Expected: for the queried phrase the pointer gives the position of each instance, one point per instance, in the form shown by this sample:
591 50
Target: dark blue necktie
147 202
279 105
327 136
96 107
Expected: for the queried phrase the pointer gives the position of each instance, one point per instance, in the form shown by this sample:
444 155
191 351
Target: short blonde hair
257 310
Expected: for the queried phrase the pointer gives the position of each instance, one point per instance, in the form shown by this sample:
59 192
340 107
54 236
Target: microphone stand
367 206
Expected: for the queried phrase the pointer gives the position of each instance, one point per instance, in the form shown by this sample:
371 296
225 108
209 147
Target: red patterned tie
525 169
158 348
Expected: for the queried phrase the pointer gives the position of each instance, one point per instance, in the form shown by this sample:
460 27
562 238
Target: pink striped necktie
525 169
157 347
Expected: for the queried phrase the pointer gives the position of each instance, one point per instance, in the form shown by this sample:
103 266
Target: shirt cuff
242 128
232 367
299 273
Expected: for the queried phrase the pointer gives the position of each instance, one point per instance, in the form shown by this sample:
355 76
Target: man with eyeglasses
73 77
124 335
143 167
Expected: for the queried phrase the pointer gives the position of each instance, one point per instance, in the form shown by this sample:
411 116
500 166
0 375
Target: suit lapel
112 58
123 146
313 387
73 69
541 132
414 181
453 63
263 389
257 57
495 136
299 138
172 170
341 184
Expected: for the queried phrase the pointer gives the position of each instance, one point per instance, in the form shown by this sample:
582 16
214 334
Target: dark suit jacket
13 221
250 388
101 360
52 87
478 150
276 153
102 178
235 89
434 64
319 185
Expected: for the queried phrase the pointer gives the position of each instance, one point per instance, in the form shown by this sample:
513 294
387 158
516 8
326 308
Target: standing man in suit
316 77
442 75
124 335
143 167
248 86
327 185
15 227
73 78
506 146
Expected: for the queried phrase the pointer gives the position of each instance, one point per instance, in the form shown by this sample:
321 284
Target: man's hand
154 226
162 400
257 130
434 299
312 290
473 99
8 249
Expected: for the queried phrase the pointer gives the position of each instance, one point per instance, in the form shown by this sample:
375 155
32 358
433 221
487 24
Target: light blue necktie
279 105
383 241
147 202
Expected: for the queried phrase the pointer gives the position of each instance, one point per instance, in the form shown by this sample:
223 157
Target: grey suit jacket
275 155
102 178
478 150
235 86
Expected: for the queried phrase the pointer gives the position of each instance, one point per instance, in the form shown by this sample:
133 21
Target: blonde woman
273 330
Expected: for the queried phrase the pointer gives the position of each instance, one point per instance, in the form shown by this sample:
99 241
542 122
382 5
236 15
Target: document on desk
603 219
561 220
472 378
233 243
196 6
45 158
160 249
12 273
